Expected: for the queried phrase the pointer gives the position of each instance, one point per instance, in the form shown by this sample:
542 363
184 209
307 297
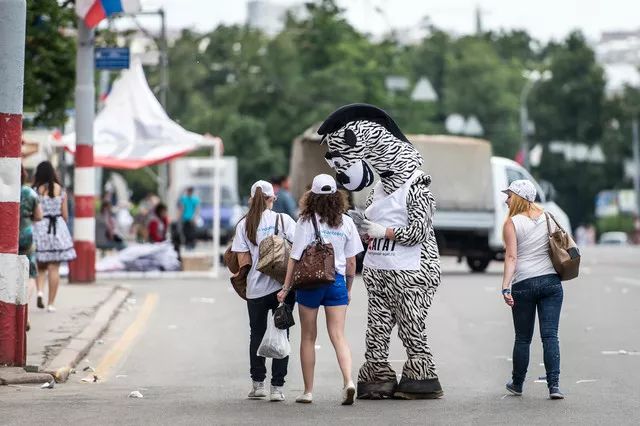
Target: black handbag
283 317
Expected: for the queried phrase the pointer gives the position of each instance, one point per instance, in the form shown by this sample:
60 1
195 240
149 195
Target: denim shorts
335 294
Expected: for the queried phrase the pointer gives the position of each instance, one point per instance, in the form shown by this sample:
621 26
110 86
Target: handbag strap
315 228
549 215
546 215
278 218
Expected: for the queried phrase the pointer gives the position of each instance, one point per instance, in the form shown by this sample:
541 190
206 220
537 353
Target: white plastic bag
275 343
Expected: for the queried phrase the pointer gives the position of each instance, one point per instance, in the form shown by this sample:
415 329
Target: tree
570 107
479 83
49 62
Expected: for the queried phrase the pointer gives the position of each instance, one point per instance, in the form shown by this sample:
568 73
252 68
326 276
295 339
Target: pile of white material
141 257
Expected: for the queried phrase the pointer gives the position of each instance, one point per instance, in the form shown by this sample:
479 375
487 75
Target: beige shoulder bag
563 251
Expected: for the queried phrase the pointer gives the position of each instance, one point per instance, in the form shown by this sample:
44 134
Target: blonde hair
519 205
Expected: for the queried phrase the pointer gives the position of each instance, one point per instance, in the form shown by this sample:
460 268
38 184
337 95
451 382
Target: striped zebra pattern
399 298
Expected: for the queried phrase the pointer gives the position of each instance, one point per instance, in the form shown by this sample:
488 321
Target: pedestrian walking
189 208
531 283
324 204
262 290
52 238
30 212
284 202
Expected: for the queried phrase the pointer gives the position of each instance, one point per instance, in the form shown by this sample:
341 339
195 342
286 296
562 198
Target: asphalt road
184 344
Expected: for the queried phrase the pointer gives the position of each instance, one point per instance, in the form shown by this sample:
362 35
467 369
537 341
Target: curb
18 376
80 344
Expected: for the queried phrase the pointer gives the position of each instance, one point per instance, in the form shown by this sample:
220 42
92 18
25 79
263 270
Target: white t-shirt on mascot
259 284
391 212
345 240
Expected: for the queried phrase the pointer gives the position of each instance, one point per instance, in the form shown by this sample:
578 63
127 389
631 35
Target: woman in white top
262 290
531 283
327 205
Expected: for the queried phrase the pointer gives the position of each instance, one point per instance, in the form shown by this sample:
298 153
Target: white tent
133 130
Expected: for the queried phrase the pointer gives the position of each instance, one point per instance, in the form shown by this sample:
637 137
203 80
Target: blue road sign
112 58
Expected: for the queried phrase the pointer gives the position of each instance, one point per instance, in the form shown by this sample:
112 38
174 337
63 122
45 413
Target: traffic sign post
112 58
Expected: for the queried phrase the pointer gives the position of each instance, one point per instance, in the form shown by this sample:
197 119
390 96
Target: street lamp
532 78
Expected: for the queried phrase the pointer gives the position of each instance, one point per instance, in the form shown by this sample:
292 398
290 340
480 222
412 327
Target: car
614 239
230 213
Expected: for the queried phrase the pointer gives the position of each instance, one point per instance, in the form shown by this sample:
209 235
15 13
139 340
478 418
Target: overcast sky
544 19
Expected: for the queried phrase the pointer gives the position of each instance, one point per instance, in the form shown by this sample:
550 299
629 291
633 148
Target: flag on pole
94 11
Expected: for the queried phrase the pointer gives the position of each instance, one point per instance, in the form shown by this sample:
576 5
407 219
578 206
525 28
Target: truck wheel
478 264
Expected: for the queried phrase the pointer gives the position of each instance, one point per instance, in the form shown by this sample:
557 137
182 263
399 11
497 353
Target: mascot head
360 137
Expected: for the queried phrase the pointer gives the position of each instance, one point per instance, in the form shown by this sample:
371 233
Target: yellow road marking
121 346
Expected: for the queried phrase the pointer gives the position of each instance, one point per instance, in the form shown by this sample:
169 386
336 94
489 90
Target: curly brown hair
329 207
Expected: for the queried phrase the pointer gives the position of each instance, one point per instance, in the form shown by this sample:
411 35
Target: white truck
467 185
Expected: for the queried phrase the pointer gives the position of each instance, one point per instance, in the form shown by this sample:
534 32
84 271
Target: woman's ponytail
257 205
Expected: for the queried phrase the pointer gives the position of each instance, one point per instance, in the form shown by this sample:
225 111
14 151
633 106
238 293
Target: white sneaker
257 390
348 392
276 393
305 398
51 308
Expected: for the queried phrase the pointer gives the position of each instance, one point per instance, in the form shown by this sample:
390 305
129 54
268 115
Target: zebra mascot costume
402 264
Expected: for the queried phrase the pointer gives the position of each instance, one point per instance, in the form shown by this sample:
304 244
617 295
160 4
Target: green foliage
258 93
620 223
49 62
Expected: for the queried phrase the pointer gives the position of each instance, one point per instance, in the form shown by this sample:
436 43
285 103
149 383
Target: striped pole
83 269
14 269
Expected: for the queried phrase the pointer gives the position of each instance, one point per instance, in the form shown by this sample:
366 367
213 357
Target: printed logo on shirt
382 247
332 233
267 229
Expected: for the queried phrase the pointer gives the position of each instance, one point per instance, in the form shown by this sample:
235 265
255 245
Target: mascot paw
376 390
418 389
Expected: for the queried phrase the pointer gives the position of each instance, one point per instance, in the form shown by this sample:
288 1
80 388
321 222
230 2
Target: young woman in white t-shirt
327 205
531 283
262 290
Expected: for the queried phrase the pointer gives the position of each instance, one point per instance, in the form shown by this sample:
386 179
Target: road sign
112 58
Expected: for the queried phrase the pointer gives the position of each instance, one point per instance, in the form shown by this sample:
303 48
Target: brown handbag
231 260
274 252
316 267
563 251
239 281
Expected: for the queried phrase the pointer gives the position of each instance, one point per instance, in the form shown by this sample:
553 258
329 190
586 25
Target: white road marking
625 280
586 381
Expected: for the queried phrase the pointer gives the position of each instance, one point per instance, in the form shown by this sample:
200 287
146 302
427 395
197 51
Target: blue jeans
543 293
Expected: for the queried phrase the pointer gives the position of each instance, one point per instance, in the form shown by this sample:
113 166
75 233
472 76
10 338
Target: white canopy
133 130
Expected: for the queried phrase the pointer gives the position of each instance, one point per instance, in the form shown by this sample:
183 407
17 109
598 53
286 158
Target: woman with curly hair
328 206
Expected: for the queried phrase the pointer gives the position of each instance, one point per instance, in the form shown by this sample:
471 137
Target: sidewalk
83 311
50 332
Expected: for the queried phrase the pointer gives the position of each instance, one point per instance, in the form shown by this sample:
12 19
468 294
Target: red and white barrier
84 224
14 273
14 269
83 269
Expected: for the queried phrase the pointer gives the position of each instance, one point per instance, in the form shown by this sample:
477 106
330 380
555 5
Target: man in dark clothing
284 202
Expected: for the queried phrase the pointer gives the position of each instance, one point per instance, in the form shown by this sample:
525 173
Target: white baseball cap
267 188
323 184
522 188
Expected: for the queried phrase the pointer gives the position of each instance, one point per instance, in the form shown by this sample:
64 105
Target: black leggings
258 314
